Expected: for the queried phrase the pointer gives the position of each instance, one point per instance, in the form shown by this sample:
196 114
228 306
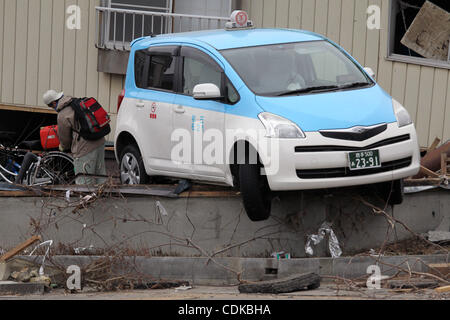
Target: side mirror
370 72
207 91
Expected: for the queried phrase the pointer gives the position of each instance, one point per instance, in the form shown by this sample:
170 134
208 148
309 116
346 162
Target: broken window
420 31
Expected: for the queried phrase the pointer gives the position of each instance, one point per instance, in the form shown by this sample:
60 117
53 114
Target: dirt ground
327 291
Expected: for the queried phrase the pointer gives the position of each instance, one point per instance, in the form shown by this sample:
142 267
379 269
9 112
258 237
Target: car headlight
279 127
402 115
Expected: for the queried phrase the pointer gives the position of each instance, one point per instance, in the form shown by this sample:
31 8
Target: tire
255 192
55 168
132 169
28 160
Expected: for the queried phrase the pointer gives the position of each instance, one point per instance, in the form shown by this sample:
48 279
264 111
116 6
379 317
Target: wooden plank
45 50
33 44
384 76
412 90
20 59
282 13
295 14
10 254
443 289
269 8
321 17
334 20
428 172
17 194
424 103
308 13
444 164
434 144
246 6
429 33
359 33
57 27
399 81
27 109
209 194
347 14
81 56
372 44
9 34
438 104
92 74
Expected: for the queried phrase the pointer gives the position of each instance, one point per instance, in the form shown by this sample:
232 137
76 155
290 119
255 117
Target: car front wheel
255 192
132 170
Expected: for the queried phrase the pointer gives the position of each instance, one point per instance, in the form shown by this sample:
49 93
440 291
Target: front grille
354 136
378 144
346 172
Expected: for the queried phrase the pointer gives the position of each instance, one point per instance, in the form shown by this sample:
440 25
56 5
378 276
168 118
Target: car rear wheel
132 170
255 192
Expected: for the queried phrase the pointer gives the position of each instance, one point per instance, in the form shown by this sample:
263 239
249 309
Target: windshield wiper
308 90
354 85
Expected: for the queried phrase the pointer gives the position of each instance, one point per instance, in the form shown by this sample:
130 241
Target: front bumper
293 165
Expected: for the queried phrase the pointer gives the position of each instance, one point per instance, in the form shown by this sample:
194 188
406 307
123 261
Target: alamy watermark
73 21
374 18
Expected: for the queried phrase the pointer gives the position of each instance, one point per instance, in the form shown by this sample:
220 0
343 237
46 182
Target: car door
203 119
155 81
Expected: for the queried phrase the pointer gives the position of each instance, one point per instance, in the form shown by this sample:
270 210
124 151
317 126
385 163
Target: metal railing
117 28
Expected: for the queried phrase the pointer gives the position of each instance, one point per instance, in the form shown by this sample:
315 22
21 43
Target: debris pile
434 171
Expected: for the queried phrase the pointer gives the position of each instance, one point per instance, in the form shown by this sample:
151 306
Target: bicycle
20 166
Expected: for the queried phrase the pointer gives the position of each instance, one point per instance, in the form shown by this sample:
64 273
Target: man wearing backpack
88 154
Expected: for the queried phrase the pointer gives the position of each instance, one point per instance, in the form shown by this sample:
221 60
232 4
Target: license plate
364 160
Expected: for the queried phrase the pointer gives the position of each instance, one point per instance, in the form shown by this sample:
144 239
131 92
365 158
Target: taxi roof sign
239 20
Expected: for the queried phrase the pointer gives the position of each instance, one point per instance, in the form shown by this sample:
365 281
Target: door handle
140 105
180 109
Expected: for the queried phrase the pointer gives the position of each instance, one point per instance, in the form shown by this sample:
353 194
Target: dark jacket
68 128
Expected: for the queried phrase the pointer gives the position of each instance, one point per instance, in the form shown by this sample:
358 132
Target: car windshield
296 68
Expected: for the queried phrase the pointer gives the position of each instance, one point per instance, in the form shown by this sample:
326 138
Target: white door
155 79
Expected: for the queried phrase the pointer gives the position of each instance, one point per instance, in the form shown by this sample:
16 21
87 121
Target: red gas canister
49 137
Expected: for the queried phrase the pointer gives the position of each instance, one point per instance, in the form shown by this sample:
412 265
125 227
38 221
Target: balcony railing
117 28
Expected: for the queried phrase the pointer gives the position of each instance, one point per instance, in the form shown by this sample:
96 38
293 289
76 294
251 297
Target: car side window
155 69
198 68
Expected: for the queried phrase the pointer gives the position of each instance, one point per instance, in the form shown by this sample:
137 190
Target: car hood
333 110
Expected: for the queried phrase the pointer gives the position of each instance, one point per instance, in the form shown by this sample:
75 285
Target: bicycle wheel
54 168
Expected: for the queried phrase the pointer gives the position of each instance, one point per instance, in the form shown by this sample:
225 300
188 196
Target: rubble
438 236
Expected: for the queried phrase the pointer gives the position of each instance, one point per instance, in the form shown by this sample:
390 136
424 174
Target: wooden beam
10 254
444 163
27 109
428 172
434 144
443 289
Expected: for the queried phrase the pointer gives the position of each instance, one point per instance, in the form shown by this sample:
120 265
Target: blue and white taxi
261 110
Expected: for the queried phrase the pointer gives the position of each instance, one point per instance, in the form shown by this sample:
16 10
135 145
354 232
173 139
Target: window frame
224 77
392 56
172 50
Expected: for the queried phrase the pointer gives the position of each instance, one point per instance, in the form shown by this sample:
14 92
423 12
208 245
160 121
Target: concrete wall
214 224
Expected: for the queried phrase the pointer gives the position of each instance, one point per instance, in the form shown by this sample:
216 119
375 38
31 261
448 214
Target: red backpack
93 119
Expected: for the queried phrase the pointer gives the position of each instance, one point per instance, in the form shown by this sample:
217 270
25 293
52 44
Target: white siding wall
424 91
38 52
